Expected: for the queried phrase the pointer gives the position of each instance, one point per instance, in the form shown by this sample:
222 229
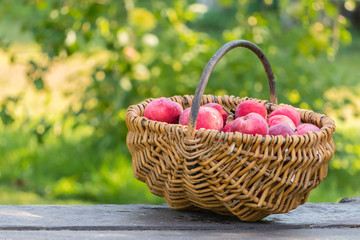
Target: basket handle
208 70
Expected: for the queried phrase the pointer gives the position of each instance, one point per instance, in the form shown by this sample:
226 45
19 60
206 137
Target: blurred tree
159 48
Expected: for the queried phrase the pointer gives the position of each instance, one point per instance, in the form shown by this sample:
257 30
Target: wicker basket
247 176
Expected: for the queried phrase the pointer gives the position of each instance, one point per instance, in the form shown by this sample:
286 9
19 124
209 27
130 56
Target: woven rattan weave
228 173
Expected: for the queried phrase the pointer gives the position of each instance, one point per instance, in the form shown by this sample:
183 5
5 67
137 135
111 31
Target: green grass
65 169
13 195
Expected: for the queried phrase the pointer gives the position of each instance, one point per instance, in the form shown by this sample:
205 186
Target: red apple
208 118
228 127
220 108
252 123
277 119
281 129
163 110
306 127
250 106
288 111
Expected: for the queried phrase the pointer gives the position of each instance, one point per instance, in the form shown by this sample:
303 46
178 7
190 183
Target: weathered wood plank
161 217
291 234
311 220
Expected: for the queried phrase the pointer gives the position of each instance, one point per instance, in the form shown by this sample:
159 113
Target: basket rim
327 128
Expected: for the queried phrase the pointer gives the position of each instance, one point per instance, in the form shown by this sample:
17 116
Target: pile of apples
250 118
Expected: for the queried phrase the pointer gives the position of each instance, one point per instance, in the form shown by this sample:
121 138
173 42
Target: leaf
143 19
13 99
39 83
33 64
5 117
41 130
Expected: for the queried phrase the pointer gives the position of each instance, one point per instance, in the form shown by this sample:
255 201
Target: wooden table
309 221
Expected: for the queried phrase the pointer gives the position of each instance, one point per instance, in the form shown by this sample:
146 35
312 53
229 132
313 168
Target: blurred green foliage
159 48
